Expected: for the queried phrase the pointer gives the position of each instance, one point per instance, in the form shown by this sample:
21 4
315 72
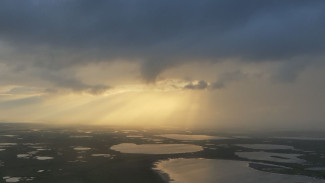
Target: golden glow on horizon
161 104
130 108
144 108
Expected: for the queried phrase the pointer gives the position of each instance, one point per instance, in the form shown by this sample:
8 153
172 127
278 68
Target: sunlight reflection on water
229 171
156 148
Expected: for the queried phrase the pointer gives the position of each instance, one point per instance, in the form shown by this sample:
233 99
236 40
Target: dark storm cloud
162 33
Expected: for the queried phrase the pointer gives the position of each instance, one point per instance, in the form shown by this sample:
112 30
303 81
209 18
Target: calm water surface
223 171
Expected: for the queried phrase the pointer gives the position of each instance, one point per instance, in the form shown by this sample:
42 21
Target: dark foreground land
39 153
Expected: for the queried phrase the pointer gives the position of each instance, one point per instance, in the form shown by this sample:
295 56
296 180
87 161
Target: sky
207 63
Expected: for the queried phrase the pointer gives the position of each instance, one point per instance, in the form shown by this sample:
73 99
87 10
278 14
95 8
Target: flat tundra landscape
41 153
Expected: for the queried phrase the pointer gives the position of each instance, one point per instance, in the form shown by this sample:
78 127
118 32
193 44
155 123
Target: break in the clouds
161 34
200 85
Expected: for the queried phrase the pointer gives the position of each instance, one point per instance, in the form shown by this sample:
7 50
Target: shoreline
164 176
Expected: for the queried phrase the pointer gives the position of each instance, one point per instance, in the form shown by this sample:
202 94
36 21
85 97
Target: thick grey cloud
57 34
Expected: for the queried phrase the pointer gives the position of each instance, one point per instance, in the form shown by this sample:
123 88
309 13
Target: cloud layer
161 34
